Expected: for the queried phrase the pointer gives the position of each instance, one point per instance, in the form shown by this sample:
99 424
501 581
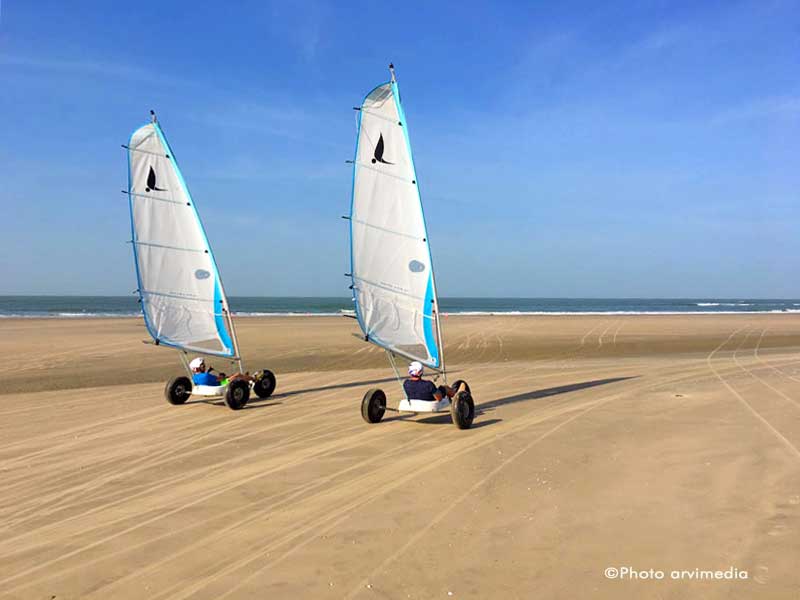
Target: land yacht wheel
373 406
264 383
237 394
462 410
178 390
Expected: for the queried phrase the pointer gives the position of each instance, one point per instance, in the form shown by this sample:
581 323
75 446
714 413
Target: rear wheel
237 394
264 383
373 406
462 410
178 390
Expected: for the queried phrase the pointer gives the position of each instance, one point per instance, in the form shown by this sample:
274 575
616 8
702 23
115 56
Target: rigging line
206 351
168 247
400 233
388 288
393 362
371 168
149 197
408 307
379 116
178 297
159 154
398 352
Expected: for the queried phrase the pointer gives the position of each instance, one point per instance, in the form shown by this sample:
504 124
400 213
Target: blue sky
589 149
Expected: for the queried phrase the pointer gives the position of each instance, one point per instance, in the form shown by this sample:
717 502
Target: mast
439 344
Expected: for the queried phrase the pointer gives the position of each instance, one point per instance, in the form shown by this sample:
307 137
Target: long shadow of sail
336 386
553 391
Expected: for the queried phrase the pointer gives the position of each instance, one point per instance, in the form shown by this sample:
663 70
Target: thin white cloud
761 108
278 119
90 68
303 29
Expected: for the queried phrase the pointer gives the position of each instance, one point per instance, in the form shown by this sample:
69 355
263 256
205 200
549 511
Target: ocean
244 306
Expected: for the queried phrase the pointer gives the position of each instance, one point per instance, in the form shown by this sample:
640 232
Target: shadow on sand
335 386
441 419
547 392
339 386
484 407
253 402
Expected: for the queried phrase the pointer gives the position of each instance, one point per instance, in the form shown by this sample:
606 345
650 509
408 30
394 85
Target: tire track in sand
332 517
789 446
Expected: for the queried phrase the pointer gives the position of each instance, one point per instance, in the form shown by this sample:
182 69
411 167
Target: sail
182 298
393 286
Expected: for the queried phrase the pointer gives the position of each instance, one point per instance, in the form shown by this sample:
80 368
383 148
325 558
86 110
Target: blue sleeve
205 379
432 388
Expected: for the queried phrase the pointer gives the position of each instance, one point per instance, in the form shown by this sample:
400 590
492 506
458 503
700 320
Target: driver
202 375
417 388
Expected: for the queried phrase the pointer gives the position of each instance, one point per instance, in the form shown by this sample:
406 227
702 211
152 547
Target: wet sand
650 442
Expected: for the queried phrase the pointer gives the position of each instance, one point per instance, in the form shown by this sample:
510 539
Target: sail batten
181 293
392 272
146 197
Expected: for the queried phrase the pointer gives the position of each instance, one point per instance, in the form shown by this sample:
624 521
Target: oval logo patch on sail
202 274
416 267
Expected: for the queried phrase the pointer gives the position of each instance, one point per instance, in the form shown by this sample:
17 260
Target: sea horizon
74 306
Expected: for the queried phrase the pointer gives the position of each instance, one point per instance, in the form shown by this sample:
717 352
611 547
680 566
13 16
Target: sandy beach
669 443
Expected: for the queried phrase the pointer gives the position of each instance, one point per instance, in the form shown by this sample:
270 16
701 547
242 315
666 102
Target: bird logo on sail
378 156
151 183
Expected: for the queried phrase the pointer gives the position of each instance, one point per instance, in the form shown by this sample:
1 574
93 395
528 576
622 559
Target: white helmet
197 364
415 369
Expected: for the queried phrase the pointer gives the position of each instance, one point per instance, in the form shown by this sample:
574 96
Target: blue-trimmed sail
393 286
183 302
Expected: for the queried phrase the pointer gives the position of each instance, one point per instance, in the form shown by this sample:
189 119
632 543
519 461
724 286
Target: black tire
178 390
373 406
264 384
458 382
462 410
237 394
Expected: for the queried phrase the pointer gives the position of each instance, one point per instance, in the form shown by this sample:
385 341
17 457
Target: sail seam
400 233
371 168
388 288
138 243
379 116
178 297
148 152
149 197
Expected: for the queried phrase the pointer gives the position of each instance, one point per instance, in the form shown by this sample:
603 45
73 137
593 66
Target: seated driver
202 375
417 388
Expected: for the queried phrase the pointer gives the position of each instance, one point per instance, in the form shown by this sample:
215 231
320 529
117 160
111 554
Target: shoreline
280 315
68 353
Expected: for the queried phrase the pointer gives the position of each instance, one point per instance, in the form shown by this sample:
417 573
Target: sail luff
131 197
360 320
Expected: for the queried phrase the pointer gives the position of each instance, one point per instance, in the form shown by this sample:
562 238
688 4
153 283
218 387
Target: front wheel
459 382
178 390
462 410
237 394
264 383
373 406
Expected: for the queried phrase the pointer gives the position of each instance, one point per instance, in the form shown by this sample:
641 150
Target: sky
569 149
